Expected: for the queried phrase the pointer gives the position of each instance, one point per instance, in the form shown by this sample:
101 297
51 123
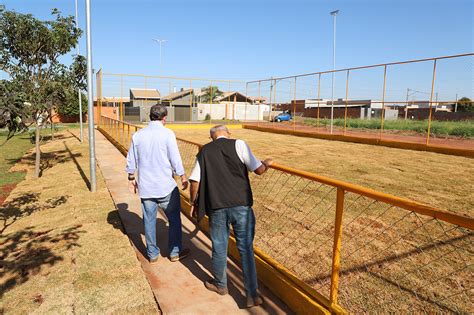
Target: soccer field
439 180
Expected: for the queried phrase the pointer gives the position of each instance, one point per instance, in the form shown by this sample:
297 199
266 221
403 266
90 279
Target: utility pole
90 100
456 104
406 106
79 90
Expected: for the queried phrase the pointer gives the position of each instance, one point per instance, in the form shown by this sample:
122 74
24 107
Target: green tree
465 105
29 52
209 91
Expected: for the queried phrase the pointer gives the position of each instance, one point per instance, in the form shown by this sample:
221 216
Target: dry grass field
439 180
62 250
392 260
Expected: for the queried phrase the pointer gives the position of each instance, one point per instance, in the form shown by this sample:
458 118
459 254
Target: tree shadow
27 252
48 159
78 166
25 205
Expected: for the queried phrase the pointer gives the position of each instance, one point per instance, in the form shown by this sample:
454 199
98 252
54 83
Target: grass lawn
12 150
63 250
10 153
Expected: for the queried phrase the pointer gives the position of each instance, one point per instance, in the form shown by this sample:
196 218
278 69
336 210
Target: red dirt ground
5 191
454 143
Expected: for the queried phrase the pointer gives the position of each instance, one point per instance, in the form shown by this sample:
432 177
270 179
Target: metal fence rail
362 250
382 93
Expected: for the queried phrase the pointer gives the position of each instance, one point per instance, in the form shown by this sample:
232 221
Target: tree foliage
38 82
207 92
465 105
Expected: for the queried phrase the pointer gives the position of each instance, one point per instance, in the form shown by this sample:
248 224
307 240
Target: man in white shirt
221 188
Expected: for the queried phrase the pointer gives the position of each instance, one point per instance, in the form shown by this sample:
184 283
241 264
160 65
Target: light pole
408 95
160 41
90 99
79 90
333 13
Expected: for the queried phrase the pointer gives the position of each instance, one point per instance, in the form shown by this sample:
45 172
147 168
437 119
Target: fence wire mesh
391 259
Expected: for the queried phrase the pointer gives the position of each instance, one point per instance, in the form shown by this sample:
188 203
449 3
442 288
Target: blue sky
248 40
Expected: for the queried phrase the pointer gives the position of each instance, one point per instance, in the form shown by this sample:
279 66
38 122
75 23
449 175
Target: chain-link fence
362 250
425 101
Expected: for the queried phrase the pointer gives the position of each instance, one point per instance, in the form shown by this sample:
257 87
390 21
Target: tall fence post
121 99
274 93
259 103
431 102
336 254
246 99
347 95
319 96
382 113
210 106
191 100
294 105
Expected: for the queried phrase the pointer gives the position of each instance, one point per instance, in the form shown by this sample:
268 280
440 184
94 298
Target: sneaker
254 301
183 254
211 286
154 260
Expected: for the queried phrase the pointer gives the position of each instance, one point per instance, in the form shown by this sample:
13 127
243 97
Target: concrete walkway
178 287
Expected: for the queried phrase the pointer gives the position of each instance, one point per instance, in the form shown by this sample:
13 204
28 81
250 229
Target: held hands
133 186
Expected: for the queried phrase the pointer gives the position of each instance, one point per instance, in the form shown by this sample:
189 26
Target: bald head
218 131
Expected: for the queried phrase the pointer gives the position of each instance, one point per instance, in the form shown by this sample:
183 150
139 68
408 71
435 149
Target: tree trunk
37 148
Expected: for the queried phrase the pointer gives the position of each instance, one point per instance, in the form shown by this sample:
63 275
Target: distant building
144 97
141 100
234 97
181 104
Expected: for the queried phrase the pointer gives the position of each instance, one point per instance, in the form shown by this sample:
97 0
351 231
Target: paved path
178 287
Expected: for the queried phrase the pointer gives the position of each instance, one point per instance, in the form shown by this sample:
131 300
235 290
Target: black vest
224 178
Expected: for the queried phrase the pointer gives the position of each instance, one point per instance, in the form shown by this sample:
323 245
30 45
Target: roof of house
231 93
176 95
145 93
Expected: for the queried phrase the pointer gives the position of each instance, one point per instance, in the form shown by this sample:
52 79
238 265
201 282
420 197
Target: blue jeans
242 220
172 208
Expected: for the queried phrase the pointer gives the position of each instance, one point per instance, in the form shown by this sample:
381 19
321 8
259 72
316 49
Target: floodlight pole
333 13
79 90
90 100
160 41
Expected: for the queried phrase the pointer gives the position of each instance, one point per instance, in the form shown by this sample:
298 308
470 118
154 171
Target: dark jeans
242 220
172 208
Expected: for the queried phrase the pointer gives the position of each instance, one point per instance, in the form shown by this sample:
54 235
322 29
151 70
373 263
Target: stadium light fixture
160 41
333 13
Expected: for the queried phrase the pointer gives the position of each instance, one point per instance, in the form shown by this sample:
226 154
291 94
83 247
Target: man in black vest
220 187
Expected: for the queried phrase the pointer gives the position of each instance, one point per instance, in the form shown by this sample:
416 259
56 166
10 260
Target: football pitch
438 180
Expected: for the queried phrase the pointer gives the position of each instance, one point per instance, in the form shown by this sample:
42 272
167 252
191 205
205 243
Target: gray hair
218 128
158 112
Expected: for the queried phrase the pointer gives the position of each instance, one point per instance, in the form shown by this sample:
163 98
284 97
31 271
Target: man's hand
264 167
194 211
133 186
184 182
267 162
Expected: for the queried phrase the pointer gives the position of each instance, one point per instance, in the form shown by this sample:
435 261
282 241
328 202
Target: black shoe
212 286
183 254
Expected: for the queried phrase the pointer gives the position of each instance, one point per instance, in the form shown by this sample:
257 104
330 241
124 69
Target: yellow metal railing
352 248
